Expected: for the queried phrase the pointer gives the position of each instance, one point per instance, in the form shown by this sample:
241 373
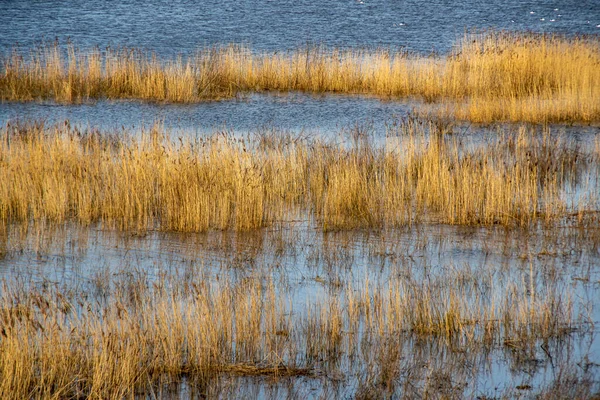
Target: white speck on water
556 9
552 20
542 19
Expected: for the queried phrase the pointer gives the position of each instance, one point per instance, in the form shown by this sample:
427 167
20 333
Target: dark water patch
295 112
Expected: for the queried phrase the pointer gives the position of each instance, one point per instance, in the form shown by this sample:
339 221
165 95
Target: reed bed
153 181
61 341
490 77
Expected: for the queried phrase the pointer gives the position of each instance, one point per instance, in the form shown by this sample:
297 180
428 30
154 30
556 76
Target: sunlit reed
60 341
154 181
490 77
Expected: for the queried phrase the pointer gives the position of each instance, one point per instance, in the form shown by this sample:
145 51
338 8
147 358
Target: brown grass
496 76
61 342
153 181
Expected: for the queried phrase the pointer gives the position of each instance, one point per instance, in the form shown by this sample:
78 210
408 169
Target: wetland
342 204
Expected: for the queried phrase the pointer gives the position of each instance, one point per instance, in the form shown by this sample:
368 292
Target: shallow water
311 268
295 112
309 265
299 113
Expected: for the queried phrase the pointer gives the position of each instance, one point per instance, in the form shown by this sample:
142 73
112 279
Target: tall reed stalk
63 343
154 181
496 76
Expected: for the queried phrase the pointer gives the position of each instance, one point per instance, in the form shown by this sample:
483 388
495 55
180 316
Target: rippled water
295 111
183 25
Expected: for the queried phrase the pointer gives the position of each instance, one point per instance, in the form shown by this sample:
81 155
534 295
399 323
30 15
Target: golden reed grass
152 181
496 76
64 343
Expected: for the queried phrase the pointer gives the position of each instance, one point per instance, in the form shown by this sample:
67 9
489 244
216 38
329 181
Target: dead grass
60 341
353 313
491 77
153 181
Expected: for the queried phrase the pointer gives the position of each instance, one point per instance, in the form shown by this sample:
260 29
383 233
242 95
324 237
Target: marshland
505 77
353 203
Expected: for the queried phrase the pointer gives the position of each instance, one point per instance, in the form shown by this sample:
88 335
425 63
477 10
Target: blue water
181 26
302 113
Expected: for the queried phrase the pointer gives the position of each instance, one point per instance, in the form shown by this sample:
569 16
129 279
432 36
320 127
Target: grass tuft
152 181
496 76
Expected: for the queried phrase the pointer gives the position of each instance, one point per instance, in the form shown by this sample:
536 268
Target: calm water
307 265
304 114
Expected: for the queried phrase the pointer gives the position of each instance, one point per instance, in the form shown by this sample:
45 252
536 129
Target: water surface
182 26
309 262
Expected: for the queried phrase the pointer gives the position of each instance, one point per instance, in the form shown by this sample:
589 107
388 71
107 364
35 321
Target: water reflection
308 268
312 115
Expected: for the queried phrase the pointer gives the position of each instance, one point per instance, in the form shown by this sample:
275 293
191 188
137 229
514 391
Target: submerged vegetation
413 264
491 77
403 328
420 174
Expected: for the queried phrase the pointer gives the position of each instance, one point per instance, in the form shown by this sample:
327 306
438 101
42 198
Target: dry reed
152 181
59 342
496 76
